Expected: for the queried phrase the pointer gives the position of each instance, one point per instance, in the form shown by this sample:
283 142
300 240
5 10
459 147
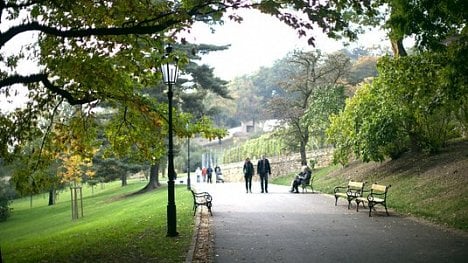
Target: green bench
350 192
308 183
377 196
202 199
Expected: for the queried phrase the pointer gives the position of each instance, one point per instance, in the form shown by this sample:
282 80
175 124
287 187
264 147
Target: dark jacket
248 169
263 167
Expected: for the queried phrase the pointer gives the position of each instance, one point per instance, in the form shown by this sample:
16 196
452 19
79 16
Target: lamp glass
170 73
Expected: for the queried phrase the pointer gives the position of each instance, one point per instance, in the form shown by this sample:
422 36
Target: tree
432 23
309 73
90 53
412 104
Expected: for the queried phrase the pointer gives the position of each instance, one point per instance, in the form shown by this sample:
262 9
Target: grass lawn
114 228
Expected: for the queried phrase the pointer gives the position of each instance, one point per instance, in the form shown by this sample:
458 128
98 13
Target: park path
285 227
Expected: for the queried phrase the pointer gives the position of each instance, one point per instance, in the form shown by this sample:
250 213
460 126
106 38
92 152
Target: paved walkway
285 227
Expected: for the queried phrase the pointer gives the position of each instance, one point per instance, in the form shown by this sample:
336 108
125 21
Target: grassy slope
431 187
114 228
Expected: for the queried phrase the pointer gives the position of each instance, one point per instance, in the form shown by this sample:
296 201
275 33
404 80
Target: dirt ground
203 251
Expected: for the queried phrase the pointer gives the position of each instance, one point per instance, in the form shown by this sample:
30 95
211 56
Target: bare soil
204 239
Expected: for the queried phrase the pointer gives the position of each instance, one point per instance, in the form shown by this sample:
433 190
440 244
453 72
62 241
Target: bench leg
209 208
386 211
371 206
360 202
194 209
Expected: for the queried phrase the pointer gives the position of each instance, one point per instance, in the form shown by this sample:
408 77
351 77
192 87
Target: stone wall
280 165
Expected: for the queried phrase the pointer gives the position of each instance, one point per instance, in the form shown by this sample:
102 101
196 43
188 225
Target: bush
410 105
6 195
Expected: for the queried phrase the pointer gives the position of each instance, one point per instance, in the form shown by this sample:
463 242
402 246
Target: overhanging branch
42 78
115 31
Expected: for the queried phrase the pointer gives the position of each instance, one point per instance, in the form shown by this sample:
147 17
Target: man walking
248 173
264 170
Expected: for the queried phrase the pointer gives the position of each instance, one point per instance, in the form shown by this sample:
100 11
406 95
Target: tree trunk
303 145
398 48
52 196
124 179
153 181
303 153
154 176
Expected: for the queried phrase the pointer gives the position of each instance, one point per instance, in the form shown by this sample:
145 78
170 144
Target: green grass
115 227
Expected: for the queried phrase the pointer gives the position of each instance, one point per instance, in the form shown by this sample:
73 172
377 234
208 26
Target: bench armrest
337 188
370 197
204 195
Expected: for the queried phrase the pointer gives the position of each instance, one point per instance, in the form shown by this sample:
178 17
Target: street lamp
188 161
170 73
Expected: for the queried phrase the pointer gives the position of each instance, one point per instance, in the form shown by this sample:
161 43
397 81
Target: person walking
209 173
264 170
248 173
198 173
203 172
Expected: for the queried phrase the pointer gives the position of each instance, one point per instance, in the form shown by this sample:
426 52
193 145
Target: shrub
6 195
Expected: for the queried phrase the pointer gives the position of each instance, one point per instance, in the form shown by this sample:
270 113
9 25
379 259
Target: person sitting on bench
304 175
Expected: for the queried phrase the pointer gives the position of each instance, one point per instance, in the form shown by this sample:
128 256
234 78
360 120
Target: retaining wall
280 165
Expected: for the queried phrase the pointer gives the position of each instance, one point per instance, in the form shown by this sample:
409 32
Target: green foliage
267 144
6 195
324 102
410 105
310 76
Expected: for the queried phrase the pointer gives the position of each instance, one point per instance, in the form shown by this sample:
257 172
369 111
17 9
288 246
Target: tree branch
35 26
17 79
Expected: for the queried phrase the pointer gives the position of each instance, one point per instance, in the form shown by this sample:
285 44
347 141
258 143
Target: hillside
428 186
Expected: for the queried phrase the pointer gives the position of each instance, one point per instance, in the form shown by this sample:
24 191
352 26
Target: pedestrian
303 176
248 173
203 173
219 174
264 170
209 173
198 173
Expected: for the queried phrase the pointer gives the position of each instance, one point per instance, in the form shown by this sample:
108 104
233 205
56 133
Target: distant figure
264 170
209 173
248 173
303 176
219 174
198 173
203 172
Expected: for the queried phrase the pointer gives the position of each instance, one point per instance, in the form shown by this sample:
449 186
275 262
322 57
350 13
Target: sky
259 41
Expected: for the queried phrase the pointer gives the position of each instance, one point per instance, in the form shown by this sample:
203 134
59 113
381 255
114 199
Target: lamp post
188 157
188 163
170 74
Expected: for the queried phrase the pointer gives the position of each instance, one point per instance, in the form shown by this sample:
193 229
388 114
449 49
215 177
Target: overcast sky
260 40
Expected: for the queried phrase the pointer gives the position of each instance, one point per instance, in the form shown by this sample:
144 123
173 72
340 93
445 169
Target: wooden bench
202 199
352 191
377 196
308 183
